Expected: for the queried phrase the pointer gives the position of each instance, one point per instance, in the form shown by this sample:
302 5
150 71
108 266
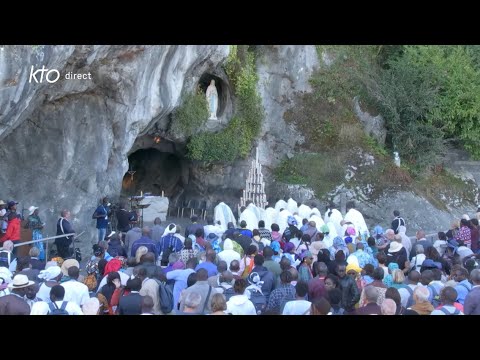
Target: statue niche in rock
212 99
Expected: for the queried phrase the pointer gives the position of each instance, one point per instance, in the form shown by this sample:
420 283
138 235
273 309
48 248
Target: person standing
36 224
101 214
64 227
397 222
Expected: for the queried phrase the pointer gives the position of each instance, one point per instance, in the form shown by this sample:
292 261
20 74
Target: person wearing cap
14 303
36 224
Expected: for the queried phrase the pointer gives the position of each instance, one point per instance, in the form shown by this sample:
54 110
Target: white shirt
297 307
240 305
44 292
75 292
123 280
42 308
228 256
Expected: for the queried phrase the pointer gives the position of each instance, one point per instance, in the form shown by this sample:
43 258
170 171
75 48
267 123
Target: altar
157 207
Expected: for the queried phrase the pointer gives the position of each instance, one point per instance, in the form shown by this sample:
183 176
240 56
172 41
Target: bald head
146 231
235 266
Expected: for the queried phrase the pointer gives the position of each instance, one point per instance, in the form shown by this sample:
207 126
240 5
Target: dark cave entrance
155 171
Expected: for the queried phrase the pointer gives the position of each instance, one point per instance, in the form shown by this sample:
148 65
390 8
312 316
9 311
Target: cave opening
154 172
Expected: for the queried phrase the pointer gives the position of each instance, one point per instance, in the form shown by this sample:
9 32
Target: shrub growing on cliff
192 114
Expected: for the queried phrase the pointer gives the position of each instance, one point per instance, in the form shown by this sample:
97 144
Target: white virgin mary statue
212 99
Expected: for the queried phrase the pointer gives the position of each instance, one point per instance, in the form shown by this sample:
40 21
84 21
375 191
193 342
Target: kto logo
51 76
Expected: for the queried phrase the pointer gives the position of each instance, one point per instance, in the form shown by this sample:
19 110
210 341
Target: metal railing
47 239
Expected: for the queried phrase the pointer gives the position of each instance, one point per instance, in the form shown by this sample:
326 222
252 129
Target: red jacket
13 230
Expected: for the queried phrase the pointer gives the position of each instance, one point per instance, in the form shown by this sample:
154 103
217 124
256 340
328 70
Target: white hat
20 281
395 247
2 203
31 209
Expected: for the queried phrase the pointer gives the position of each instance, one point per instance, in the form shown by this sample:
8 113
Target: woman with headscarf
51 277
388 280
338 244
107 290
289 253
305 267
398 279
355 272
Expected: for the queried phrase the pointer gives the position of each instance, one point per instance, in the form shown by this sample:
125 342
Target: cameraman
101 214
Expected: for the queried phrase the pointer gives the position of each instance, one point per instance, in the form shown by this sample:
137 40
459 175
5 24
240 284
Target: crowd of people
297 268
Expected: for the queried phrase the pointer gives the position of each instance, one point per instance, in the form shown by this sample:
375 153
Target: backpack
259 301
165 293
228 293
410 298
435 296
446 312
55 310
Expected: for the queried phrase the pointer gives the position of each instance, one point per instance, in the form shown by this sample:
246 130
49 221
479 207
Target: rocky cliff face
65 144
